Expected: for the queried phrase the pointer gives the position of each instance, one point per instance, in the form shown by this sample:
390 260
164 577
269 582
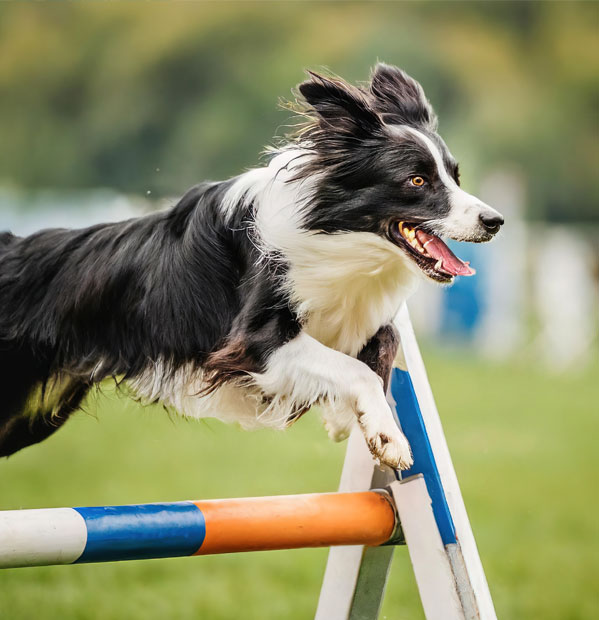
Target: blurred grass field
524 446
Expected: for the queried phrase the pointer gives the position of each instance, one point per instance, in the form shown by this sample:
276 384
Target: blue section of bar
413 427
142 531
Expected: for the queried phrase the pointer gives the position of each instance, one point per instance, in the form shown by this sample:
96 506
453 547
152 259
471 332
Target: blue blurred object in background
463 303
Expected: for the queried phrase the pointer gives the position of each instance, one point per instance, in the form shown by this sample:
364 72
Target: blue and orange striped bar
143 531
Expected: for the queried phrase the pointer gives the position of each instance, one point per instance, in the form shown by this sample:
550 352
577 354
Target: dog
255 298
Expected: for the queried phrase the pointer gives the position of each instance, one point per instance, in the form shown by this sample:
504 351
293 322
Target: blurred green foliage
156 97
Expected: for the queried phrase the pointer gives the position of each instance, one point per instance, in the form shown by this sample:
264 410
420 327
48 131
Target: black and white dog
254 298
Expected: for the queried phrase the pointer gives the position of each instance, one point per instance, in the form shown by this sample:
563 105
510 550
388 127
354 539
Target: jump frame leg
447 567
356 576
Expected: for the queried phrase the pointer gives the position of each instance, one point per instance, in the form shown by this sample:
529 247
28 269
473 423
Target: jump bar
48 536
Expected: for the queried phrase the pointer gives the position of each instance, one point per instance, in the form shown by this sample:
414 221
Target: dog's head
385 170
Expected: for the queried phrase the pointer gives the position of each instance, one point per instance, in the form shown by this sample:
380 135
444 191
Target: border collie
255 298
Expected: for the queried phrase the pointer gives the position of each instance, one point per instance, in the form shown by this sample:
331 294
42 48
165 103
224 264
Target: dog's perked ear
339 106
399 99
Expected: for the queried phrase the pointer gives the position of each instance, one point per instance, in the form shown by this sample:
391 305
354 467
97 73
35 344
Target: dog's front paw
388 445
383 436
338 420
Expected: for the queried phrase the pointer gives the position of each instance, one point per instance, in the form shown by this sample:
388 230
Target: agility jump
374 511
145 531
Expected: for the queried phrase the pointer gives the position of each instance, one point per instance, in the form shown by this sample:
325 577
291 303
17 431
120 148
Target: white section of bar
433 572
41 537
468 568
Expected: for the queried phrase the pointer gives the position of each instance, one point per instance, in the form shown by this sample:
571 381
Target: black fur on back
77 306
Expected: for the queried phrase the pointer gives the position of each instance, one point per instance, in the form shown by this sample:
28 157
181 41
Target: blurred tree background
156 97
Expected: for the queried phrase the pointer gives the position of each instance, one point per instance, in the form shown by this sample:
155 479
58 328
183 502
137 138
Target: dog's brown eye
417 181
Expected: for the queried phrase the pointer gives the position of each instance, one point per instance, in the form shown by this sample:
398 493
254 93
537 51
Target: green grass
524 446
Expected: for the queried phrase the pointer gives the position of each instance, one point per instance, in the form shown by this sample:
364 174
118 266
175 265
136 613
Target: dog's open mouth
429 252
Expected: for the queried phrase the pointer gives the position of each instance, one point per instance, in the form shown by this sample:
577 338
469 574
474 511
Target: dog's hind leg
21 431
17 380
24 429
28 412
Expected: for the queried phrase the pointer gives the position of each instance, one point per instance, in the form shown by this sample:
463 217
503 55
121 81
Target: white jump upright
433 517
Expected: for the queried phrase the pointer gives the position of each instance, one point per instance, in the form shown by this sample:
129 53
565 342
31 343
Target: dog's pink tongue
450 263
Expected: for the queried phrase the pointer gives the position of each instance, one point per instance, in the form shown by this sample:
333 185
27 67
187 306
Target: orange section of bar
293 521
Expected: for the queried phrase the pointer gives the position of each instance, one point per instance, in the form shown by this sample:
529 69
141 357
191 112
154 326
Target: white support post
432 568
355 576
464 558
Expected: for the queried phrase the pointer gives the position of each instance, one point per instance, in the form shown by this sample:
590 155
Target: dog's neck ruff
344 286
347 286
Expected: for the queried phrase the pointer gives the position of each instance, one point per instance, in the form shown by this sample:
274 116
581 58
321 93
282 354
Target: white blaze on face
463 220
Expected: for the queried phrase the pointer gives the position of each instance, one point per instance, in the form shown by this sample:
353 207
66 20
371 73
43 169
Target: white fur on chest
348 285
344 285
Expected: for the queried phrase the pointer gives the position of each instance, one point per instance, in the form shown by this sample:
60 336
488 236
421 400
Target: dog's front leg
380 351
305 371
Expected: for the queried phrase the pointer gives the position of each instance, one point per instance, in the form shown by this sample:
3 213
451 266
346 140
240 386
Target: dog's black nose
491 221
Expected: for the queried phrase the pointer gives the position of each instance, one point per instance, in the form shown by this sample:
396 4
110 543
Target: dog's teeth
409 235
439 264
416 245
